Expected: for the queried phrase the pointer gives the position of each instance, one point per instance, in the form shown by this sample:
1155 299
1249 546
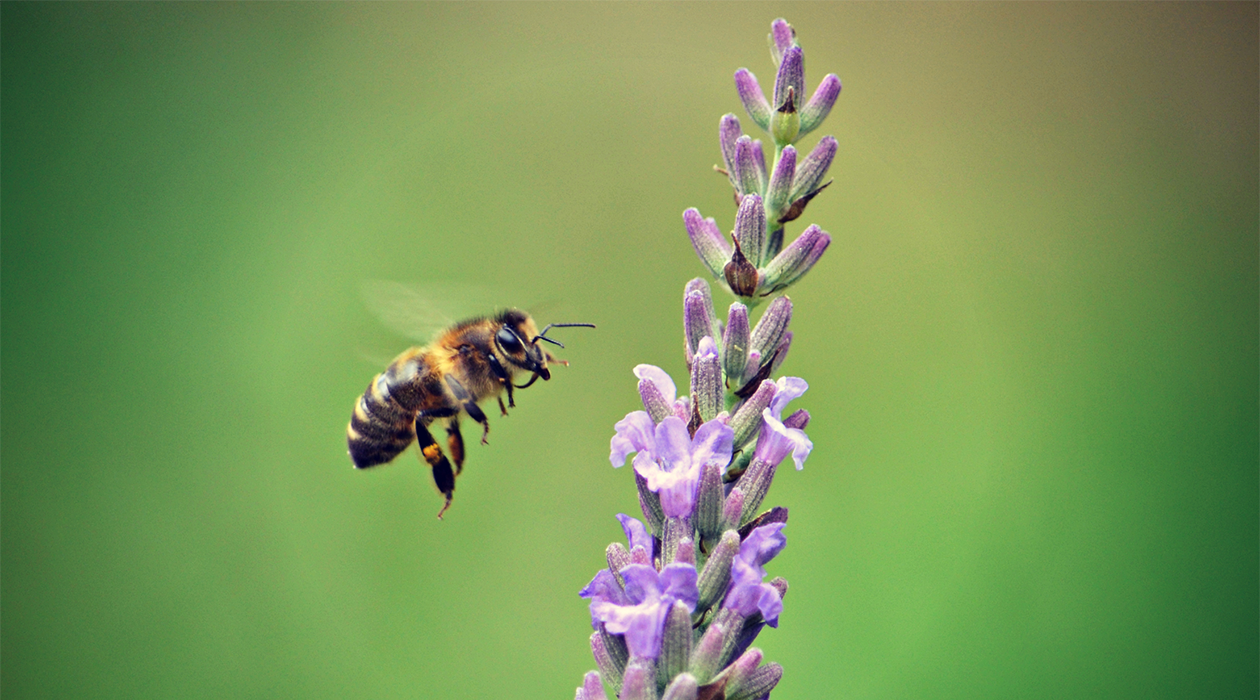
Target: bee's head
517 338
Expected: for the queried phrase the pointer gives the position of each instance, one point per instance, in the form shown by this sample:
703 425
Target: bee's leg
504 377
455 443
502 408
443 475
470 406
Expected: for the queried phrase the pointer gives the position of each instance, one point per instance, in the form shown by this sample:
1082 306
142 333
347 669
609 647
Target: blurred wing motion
421 312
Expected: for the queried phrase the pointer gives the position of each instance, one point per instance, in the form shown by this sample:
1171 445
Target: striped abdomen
383 424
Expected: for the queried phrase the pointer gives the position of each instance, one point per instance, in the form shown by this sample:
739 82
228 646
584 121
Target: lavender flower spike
673 633
753 98
648 598
711 246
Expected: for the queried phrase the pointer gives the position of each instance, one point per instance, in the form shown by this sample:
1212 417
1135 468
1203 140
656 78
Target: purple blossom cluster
679 605
754 264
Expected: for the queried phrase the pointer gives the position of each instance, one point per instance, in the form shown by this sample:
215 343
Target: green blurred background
1032 346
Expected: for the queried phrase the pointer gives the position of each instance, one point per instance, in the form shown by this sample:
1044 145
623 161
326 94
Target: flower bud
708 518
653 402
639 681
782 37
610 656
749 167
750 229
753 98
753 367
735 340
769 331
781 353
706 657
697 317
618 556
711 246
675 644
791 77
592 688
819 105
683 687
650 503
781 184
733 509
811 171
759 683
676 529
729 132
755 483
740 671
746 422
796 260
798 419
686 553
717 570
706 380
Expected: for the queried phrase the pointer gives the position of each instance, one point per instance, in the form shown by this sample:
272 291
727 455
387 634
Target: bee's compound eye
508 340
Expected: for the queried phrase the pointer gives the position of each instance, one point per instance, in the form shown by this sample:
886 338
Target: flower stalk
677 609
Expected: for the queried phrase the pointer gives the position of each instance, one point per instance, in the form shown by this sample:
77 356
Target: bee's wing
420 312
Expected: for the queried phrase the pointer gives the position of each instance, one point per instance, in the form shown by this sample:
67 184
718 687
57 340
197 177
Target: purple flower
747 593
788 388
636 534
639 611
777 440
668 458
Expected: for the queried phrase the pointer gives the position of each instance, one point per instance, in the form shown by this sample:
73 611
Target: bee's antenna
543 335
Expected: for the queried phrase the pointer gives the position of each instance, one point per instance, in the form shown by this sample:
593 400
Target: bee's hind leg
455 443
470 406
443 475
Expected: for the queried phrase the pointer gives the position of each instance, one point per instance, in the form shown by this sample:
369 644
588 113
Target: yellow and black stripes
379 428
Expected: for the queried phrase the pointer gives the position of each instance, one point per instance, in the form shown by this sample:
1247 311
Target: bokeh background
1032 346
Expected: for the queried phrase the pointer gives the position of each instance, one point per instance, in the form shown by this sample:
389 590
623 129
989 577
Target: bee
468 363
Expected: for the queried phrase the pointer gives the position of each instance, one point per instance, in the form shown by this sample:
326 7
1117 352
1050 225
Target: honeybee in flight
467 364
